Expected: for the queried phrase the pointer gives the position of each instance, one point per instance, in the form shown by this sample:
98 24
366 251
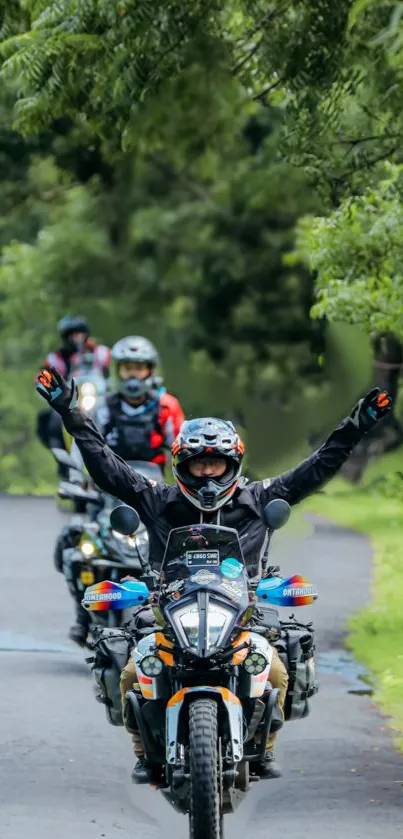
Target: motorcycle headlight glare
255 663
88 389
151 665
87 548
87 402
130 541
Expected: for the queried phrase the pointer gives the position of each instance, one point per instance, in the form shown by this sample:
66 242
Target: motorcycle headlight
218 621
87 548
88 402
186 620
88 389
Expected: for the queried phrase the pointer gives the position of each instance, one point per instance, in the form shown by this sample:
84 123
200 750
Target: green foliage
357 254
25 467
142 70
168 153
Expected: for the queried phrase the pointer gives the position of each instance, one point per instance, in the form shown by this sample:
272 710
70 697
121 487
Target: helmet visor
133 370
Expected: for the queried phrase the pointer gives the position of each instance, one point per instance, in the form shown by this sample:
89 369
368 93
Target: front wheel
204 809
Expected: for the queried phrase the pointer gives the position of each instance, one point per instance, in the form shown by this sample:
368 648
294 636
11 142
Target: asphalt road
64 771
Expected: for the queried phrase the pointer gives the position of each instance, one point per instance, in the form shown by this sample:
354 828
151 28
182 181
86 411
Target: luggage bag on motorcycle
296 648
111 654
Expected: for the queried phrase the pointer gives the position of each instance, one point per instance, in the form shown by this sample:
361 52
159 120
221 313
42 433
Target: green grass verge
376 633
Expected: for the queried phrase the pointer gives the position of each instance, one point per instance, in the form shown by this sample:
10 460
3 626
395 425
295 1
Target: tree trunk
388 434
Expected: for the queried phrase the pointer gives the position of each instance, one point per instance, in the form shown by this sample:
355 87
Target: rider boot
143 770
278 676
268 767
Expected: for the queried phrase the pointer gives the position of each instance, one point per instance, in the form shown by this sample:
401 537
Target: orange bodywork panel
240 655
167 658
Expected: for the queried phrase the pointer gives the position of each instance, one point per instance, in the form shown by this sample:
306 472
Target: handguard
107 595
286 591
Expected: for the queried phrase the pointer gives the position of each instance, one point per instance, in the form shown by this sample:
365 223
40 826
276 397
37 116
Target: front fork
229 704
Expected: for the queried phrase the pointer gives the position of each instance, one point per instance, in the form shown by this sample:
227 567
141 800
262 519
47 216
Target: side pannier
112 649
296 649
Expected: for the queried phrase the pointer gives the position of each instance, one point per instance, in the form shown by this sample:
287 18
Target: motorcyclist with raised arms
207 465
76 342
139 421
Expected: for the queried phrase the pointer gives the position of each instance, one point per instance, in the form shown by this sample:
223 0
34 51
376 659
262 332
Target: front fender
228 701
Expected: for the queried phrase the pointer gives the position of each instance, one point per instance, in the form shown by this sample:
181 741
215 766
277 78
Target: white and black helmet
135 348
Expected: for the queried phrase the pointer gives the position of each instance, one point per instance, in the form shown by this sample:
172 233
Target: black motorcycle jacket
162 507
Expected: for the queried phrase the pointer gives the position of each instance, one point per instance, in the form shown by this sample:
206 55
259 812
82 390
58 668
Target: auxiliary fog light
151 665
255 663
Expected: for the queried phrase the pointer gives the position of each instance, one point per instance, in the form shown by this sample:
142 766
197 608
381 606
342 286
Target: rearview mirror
124 519
65 459
74 491
277 513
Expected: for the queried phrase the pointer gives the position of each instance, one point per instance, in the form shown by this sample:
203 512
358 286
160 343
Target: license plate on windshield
197 559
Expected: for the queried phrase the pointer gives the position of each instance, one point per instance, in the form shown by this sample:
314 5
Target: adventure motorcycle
99 552
92 387
203 705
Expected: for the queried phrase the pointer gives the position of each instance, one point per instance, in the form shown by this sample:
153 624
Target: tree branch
367 164
247 57
259 97
355 141
267 18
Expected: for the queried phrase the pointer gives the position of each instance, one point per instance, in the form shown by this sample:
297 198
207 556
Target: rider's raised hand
54 388
371 408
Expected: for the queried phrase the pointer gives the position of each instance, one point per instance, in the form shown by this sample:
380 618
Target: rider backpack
111 654
296 648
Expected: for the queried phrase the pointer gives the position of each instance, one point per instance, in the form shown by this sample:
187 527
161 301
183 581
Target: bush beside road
375 633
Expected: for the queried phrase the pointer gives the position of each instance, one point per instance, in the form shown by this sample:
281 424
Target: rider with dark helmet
75 337
209 486
74 332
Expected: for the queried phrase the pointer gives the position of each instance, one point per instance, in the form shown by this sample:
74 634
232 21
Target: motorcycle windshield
92 380
205 555
204 585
